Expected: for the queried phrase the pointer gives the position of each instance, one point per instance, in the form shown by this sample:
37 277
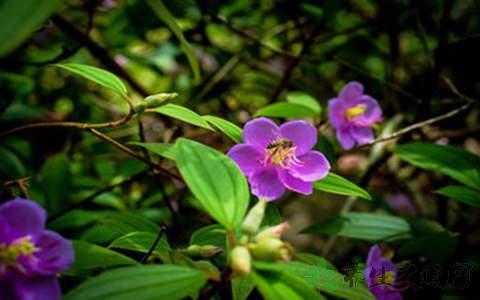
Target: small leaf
141 283
305 100
336 184
285 110
215 180
162 12
462 194
142 242
456 163
100 76
365 226
242 287
165 150
209 235
89 257
56 182
183 114
231 130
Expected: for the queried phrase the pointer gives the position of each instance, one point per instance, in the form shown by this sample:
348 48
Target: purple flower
352 115
275 158
403 205
30 256
379 275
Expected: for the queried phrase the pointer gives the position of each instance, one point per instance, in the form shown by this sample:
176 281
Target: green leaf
183 114
56 182
166 150
313 259
365 226
327 280
242 287
100 76
141 283
437 247
231 130
462 194
304 99
215 180
142 242
89 257
456 163
336 184
19 19
285 110
209 235
11 166
162 12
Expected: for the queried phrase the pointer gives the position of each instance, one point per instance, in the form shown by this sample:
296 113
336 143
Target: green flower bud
254 218
273 231
159 99
241 261
271 249
140 107
204 251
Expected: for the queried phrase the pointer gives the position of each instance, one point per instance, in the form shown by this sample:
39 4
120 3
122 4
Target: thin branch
418 125
154 245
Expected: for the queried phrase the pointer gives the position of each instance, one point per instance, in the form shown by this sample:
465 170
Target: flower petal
295 184
345 138
362 135
351 91
315 167
36 288
259 132
266 184
372 113
248 158
301 133
336 112
55 254
22 217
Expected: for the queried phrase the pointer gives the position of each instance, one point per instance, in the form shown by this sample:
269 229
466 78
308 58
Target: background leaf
100 76
336 184
228 128
456 163
215 180
165 150
56 182
462 194
141 283
285 110
183 114
304 99
142 242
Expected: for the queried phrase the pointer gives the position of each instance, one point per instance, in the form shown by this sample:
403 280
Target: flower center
10 254
386 278
357 110
280 152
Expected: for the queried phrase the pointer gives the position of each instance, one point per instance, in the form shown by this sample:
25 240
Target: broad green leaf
76 219
215 180
231 130
11 166
312 259
336 184
305 100
365 226
322 278
165 150
209 235
183 114
462 194
141 283
100 76
89 257
285 110
142 242
242 287
456 163
162 12
124 223
437 247
19 19
56 182
275 285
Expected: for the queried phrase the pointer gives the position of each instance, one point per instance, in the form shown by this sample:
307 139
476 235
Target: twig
154 245
418 125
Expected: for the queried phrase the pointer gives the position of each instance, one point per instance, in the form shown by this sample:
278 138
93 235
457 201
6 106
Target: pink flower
275 158
352 115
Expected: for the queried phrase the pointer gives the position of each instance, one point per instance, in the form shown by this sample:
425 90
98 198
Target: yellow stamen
10 254
386 278
359 109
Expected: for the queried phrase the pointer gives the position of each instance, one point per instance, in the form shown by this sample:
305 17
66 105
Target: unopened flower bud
241 261
140 107
202 251
254 218
271 249
159 99
273 231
